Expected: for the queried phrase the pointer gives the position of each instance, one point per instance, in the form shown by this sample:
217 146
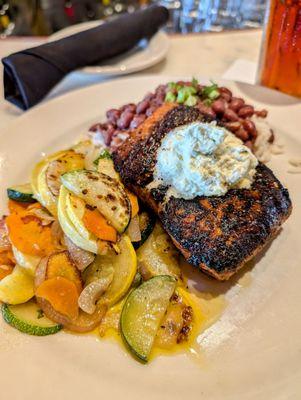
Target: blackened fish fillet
217 234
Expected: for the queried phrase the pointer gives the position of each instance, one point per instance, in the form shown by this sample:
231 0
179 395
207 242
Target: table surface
207 54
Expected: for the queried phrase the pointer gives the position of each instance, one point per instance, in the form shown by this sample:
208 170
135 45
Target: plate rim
50 107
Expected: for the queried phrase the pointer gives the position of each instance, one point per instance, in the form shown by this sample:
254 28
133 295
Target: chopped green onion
105 154
191 101
195 82
213 95
170 97
182 96
172 85
190 89
211 92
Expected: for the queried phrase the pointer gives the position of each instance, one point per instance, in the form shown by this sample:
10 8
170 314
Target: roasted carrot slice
60 264
62 294
7 258
134 202
29 236
5 270
98 225
17 207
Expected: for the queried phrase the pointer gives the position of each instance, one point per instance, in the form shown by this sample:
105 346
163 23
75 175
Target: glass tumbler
280 59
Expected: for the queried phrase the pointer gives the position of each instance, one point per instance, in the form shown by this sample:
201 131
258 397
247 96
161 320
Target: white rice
262 148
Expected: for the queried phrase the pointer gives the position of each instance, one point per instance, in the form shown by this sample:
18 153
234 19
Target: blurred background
44 17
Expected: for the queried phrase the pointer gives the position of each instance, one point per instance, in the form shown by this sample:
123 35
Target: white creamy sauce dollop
202 159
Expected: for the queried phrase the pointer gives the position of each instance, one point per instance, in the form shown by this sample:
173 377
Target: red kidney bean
125 119
224 90
230 115
226 97
261 113
137 120
160 97
150 111
242 134
232 126
236 104
246 111
219 107
249 144
272 137
95 127
149 96
206 110
142 106
106 131
161 89
113 115
129 107
250 127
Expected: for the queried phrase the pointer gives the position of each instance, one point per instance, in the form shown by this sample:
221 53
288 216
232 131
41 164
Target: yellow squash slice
18 287
124 266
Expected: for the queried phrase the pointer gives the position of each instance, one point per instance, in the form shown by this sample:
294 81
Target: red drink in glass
280 64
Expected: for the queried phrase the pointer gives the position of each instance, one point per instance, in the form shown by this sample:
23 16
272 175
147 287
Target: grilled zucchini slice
22 193
147 222
29 318
142 313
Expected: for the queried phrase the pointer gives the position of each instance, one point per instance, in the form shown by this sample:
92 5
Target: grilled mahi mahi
217 234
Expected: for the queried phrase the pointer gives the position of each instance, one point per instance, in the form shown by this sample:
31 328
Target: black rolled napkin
30 74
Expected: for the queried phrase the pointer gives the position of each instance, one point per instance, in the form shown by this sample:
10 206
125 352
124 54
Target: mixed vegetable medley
78 251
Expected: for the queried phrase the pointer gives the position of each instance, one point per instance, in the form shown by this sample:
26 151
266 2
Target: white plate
252 352
144 55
